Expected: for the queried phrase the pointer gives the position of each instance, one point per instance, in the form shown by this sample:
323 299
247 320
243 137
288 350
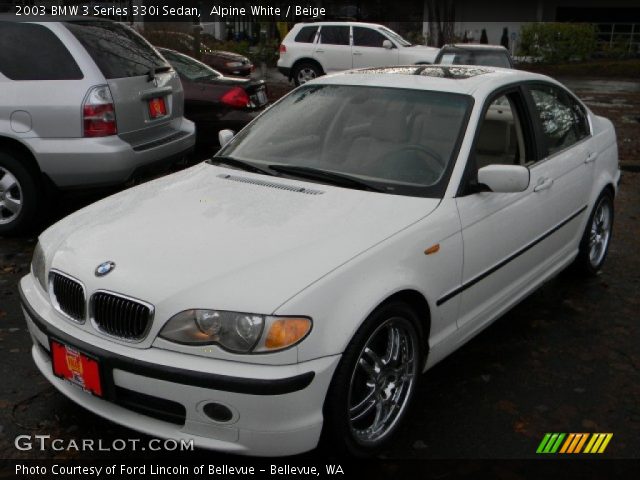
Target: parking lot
565 360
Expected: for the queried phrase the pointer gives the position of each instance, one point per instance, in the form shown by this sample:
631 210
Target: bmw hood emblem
104 268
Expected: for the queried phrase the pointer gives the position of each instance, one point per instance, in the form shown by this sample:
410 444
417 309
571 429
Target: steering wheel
421 159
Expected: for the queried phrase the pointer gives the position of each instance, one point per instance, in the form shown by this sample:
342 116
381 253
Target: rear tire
19 195
374 382
305 72
596 238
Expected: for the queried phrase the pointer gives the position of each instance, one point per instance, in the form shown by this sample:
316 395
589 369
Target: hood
214 237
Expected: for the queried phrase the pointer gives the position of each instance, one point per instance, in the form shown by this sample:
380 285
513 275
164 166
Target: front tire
19 195
596 238
374 383
305 72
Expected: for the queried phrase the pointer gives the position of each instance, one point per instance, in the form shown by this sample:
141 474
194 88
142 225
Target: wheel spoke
365 406
368 369
7 182
393 346
375 359
12 204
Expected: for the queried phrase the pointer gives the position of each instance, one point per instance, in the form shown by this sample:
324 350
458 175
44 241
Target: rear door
564 176
368 50
147 93
333 49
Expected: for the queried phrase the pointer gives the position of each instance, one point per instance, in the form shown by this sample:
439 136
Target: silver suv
83 103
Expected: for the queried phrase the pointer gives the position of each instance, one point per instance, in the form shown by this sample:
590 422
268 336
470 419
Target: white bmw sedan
294 286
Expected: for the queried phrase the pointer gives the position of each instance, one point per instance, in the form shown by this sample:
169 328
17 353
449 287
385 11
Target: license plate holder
262 97
76 367
157 108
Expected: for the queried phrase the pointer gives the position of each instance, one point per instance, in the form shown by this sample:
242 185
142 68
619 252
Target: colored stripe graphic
574 443
550 443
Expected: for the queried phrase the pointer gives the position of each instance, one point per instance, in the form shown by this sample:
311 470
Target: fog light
217 412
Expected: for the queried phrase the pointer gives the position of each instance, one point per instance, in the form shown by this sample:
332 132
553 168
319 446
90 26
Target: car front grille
68 295
120 316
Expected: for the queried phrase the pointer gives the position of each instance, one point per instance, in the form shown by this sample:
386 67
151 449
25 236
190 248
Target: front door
368 49
499 229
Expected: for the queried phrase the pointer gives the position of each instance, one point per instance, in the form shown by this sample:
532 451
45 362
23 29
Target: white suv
313 49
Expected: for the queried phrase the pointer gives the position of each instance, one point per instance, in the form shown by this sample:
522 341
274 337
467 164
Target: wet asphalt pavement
567 359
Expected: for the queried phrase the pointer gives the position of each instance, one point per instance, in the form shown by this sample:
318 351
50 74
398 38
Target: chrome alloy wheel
305 75
600 233
10 196
383 380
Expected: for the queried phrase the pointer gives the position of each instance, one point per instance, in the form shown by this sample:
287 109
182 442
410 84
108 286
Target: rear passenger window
562 119
334 35
117 50
306 35
366 37
33 52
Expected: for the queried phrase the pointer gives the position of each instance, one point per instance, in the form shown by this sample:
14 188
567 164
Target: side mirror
387 44
225 136
504 178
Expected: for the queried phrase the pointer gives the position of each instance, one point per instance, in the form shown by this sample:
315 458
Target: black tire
304 72
23 187
341 433
591 259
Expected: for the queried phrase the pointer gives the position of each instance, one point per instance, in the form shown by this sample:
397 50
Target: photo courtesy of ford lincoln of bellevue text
230 233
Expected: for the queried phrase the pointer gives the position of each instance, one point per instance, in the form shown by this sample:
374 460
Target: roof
463 79
341 22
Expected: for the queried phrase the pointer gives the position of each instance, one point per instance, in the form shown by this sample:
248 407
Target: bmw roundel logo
104 268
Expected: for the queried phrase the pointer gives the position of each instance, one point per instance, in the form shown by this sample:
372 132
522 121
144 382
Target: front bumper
277 410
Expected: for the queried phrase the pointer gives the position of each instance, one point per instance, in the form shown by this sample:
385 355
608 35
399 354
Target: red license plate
73 365
157 107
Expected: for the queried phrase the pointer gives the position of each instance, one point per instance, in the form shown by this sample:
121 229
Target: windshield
189 68
400 141
396 36
486 58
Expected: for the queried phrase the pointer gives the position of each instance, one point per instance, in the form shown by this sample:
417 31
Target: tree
441 19
483 37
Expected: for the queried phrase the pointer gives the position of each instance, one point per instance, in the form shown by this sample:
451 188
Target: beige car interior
501 140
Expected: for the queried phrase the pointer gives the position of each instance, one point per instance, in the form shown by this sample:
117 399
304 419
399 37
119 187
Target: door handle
543 184
591 157
319 51
357 53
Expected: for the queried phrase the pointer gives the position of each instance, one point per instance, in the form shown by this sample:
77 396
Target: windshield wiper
339 179
151 73
242 164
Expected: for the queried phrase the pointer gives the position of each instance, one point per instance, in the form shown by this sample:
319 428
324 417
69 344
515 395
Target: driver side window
500 139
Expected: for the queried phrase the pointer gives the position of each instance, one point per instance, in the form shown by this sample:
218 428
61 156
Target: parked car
313 49
475 54
83 103
215 102
228 63
355 234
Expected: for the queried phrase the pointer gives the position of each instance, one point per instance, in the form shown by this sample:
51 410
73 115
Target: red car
213 101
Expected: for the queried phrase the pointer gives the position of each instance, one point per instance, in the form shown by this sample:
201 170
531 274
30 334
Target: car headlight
233 64
235 331
38 266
